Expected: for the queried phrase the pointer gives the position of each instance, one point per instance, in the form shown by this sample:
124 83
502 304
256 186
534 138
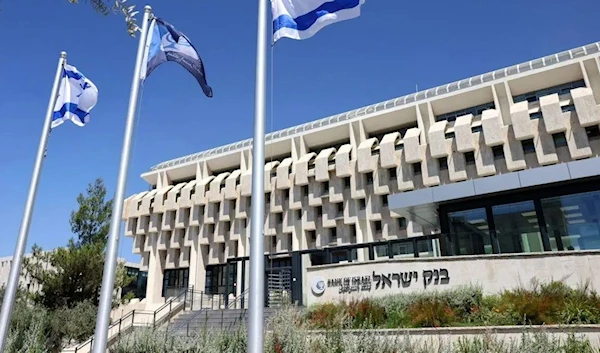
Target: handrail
239 298
202 310
132 313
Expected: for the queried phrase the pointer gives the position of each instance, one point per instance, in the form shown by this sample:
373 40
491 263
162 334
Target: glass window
174 281
517 228
425 248
572 221
404 249
470 232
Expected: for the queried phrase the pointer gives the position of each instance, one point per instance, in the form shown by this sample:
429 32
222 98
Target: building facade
497 164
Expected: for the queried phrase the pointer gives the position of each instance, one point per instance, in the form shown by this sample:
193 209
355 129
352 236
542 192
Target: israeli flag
76 98
302 19
165 43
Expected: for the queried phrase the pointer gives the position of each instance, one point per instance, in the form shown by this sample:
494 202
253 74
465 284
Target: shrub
324 316
286 333
431 312
365 313
550 303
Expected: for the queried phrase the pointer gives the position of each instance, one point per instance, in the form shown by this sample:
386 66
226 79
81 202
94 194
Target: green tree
73 274
68 275
91 221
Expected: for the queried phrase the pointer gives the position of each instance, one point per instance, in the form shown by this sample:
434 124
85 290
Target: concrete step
228 319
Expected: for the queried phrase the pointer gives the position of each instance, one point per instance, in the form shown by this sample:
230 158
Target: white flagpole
17 261
257 257
108 278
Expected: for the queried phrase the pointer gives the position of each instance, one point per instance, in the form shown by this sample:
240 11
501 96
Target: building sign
380 281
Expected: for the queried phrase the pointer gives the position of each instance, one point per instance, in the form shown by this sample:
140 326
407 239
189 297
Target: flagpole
257 258
108 278
15 269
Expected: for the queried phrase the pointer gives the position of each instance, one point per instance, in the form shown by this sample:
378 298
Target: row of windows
568 222
476 110
559 89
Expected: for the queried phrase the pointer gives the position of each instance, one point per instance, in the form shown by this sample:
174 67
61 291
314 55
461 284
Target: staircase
194 322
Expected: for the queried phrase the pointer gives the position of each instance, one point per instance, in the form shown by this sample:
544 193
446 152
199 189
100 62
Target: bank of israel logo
318 286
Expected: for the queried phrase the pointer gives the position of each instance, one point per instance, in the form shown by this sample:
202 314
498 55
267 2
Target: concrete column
155 273
194 254
201 261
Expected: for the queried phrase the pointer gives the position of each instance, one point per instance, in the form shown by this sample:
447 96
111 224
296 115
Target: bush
324 316
288 333
365 313
552 303
431 312
549 303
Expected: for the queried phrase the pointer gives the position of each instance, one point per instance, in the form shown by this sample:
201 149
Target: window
593 132
476 110
174 281
369 177
568 108
401 223
392 173
560 90
362 204
319 211
216 279
536 115
443 163
498 151
279 218
340 208
305 190
470 157
312 235
378 226
573 221
325 188
470 232
381 133
347 183
333 235
404 249
425 248
384 201
560 140
517 228
528 146
416 168
475 129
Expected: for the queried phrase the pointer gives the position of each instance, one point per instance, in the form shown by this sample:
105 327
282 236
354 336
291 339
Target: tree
68 275
120 6
73 274
91 221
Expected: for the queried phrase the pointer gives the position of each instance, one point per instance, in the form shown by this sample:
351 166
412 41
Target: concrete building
501 166
138 287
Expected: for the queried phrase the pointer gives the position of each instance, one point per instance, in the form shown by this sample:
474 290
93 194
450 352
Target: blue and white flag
165 43
76 98
302 19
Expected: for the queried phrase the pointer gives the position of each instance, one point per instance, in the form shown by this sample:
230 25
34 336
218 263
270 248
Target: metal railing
231 305
128 321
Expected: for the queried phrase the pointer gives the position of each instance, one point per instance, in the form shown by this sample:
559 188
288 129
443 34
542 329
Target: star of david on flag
76 97
165 43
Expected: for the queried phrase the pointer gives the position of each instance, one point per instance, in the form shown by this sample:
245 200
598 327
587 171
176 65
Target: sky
390 49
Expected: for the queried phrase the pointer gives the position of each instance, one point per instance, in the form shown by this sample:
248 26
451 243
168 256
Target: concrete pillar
156 265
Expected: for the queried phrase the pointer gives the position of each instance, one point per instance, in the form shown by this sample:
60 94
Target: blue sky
392 47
